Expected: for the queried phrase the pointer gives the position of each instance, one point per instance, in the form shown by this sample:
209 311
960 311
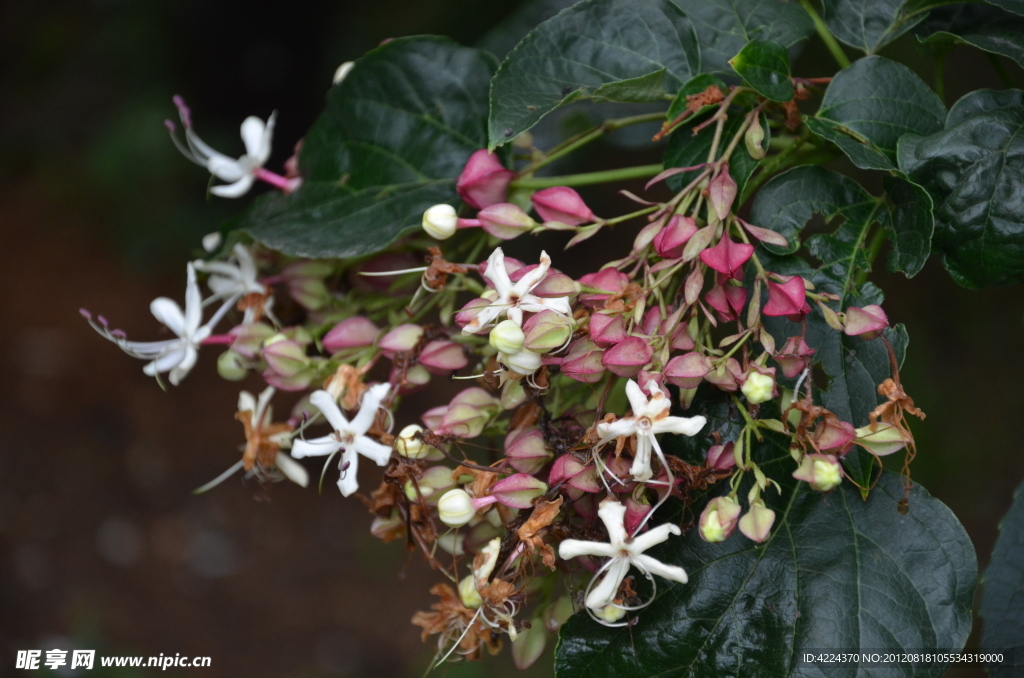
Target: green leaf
586 47
974 172
724 27
1002 598
323 220
764 64
836 573
875 102
643 89
394 135
910 224
868 25
695 85
983 26
686 150
1015 6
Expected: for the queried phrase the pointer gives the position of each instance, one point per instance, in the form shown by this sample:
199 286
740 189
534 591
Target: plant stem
631 215
587 178
877 240
826 35
940 75
584 138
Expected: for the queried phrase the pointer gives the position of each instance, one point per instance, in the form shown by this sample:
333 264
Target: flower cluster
591 382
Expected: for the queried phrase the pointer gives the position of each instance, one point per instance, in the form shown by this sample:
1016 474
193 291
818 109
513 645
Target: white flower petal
235 190
318 447
348 482
168 313
246 402
371 449
613 515
572 548
614 429
655 535
604 592
498 275
687 426
225 168
534 277
184 366
193 303
654 566
641 468
252 136
362 422
165 362
291 469
637 399
323 401
534 304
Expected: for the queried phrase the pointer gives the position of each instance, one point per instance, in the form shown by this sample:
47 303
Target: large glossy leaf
983 26
855 366
1002 599
724 27
870 105
974 171
764 64
584 48
394 135
910 223
837 573
868 25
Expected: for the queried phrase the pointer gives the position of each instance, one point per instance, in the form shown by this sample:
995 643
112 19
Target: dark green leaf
1002 598
1015 6
724 27
501 39
394 135
974 172
983 26
686 150
644 89
910 224
589 45
837 573
323 220
857 149
764 64
876 101
868 25
696 85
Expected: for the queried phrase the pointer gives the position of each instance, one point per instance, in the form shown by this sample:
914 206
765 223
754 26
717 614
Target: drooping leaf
837 572
590 45
988 28
910 224
874 102
868 25
1002 598
724 27
854 366
974 172
764 64
395 134
686 150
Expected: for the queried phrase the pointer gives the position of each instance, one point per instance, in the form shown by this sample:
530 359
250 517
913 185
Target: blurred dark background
102 544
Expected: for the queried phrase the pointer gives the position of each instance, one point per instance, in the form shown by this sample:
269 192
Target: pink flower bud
867 322
518 490
652 321
583 362
607 279
681 339
305 280
562 204
470 311
832 434
547 331
401 339
249 338
607 330
726 376
350 333
442 356
722 193
433 417
718 520
626 358
722 457
645 378
285 357
882 439
554 284
728 300
635 514
646 236
526 450
430 486
727 256
687 371
765 235
575 474
757 524
794 357
505 220
484 180
586 507
468 413
788 299
822 472
670 240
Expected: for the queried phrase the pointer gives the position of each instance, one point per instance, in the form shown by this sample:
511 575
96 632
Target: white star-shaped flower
513 299
176 356
239 173
349 436
229 278
624 552
650 417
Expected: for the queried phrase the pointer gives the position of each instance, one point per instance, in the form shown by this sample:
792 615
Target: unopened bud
583 362
626 358
882 439
455 508
442 356
546 331
430 486
787 299
505 220
822 472
722 193
722 457
757 523
563 205
758 387
231 366
401 339
350 333
866 323
305 281
507 337
518 490
468 594
484 180
670 240
526 450
524 362
753 138
687 371
408 445
718 520
285 356
440 221
468 413
610 613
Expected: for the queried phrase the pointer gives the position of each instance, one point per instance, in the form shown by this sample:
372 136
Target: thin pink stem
285 184
224 339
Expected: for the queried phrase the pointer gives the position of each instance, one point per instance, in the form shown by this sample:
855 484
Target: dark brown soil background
102 544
